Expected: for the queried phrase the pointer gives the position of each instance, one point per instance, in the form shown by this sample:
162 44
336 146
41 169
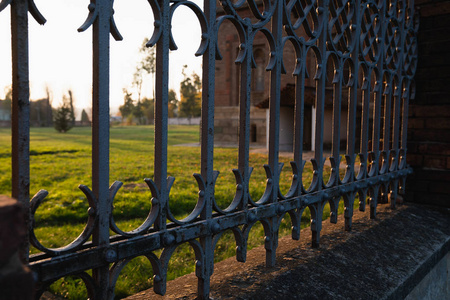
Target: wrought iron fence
376 39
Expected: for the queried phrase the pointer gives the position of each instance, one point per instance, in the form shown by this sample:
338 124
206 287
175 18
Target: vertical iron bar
274 128
387 124
396 125
20 123
207 118
405 96
320 93
274 99
244 120
100 136
365 124
351 119
161 114
376 126
336 138
320 110
351 122
299 119
207 146
398 91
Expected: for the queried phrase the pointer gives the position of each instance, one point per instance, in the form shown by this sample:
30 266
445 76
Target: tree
127 108
63 120
173 104
190 91
147 65
84 118
72 111
8 93
148 109
138 113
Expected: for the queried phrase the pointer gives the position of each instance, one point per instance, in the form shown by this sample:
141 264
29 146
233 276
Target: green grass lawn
60 162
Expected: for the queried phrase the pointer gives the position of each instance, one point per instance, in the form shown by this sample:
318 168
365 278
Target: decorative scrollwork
242 36
4 4
31 8
392 44
370 41
80 240
93 15
203 25
157 23
201 201
148 222
304 20
262 17
342 25
410 54
118 267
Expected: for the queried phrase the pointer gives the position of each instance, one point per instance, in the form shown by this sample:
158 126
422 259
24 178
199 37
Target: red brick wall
429 112
227 72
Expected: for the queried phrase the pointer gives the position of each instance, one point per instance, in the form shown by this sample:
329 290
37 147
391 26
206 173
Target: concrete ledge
384 258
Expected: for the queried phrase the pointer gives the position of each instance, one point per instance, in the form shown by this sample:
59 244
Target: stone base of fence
16 280
386 258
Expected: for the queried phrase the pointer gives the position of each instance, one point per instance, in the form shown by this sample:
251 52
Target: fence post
16 280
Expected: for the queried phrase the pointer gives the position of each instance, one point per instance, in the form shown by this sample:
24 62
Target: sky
61 57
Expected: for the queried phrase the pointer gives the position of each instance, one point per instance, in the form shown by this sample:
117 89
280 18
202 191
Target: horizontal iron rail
49 269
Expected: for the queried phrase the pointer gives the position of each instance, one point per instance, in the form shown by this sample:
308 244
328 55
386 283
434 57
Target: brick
412 109
414 159
427 135
431 98
427 71
432 111
413 147
438 148
438 123
433 48
433 9
441 21
421 2
429 61
431 175
416 123
429 198
437 84
417 186
422 148
435 162
441 187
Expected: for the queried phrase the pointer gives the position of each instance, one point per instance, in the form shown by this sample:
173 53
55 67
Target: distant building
5 110
226 118
5 113
41 113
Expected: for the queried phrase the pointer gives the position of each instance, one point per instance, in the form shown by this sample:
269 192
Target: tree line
140 110
43 114
135 108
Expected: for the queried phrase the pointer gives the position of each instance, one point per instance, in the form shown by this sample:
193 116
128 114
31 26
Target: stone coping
383 258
